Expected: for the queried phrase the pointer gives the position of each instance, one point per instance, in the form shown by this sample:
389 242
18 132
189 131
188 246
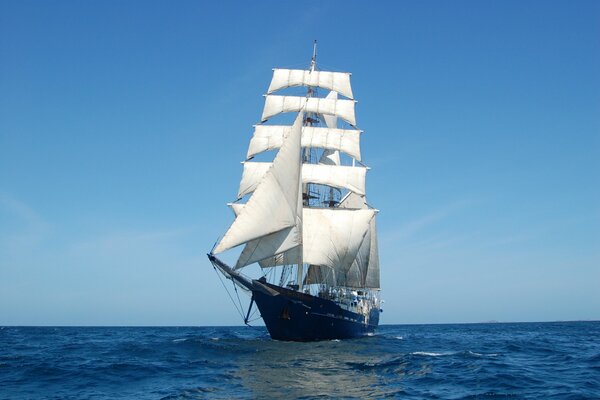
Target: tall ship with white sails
302 217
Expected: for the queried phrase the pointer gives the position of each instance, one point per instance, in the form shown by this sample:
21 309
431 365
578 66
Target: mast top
313 61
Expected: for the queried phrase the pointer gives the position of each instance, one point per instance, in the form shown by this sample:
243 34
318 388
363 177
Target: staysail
274 205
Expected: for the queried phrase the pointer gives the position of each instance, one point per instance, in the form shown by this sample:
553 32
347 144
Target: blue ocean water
463 361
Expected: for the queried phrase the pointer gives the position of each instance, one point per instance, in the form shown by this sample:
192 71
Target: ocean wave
377 364
472 353
424 361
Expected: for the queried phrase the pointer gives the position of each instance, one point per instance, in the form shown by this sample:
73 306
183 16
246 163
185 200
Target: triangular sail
330 157
274 204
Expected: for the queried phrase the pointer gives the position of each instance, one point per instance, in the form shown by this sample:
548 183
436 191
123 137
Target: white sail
366 264
236 208
353 200
351 178
320 275
355 275
331 237
251 177
274 204
280 104
331 120
269 137
267 246
286 258
372 278
338 81
330 157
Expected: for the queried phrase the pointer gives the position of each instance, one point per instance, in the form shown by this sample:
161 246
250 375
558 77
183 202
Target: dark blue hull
296 316
291 315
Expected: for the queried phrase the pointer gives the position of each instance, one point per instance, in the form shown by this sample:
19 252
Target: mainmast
310 119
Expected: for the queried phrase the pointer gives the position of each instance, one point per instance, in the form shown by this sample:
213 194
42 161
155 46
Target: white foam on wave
482 355
179 340
399 337
430 354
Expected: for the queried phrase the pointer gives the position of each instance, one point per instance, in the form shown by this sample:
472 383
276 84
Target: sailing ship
303 217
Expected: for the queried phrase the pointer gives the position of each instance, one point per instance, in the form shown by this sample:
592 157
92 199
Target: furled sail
337 81
280 104
269 137
351 178
274 204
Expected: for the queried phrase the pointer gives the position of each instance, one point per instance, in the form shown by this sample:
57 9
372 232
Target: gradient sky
122 124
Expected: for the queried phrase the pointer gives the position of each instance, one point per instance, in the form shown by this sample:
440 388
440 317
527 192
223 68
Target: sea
558 360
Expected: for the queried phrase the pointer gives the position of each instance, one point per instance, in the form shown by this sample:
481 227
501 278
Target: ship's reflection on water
346 369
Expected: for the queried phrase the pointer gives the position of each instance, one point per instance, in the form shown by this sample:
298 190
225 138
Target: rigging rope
239 310
238 297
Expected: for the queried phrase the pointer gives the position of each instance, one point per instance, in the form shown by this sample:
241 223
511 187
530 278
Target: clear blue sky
122 124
